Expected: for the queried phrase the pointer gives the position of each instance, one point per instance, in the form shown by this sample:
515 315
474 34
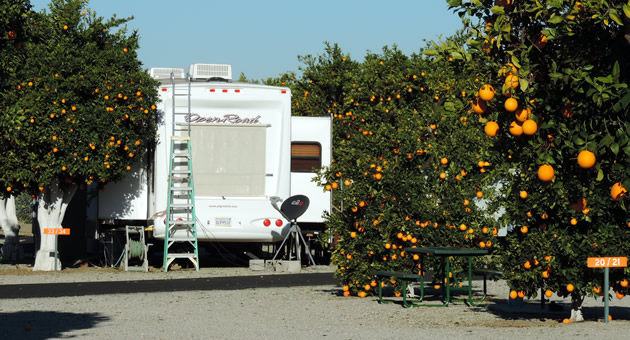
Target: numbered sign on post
607 262
56 231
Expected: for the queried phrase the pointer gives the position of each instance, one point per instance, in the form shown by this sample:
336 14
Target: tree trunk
11 250
576 308
52 205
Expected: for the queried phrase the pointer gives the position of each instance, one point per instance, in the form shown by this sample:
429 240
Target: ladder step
181 239
181 206
181 255
182 222
180 138
181 188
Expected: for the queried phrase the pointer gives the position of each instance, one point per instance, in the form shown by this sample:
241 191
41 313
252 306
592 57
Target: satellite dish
295 206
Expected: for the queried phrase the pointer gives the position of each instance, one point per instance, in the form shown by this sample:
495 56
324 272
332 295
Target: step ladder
180 237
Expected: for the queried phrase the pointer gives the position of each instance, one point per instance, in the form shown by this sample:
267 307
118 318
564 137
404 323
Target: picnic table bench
405 278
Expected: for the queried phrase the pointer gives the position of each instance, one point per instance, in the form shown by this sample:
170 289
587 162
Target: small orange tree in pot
562 140
408 156
82 112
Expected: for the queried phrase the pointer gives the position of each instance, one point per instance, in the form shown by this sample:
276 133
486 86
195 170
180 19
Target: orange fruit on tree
513 294
353 234
546 172
570 288
479 194
347 182
516 129
524 229
523 114
523 194
530 127
597 289
521 294
444 160
623 283
328 187
486 92
378 176
527 265
491 128
512 81
334 185
511 104
586 159
479 106
573 221
442 175
548 293
617 191
362 294
566 321
545 274
620 295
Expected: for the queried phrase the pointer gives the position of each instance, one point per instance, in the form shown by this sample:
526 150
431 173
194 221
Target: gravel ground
311 312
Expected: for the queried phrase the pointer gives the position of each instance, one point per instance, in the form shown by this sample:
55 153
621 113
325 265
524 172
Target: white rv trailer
242 155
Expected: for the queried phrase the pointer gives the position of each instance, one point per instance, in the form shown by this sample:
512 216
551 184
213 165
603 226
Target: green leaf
524 84
615 18
626 10
600 175
516 62
497 10
430 52
614 148
454 3
555 19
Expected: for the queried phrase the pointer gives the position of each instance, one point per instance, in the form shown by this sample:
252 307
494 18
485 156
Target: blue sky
264 38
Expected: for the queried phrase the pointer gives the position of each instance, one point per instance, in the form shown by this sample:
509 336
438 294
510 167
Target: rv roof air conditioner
165 73
207 72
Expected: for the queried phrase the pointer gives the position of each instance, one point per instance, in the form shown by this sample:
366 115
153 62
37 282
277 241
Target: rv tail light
283 91
224 90
266 222
237 91
279 223
164 89
211 90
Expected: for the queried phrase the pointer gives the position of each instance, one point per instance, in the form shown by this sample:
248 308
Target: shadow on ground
45 325
557 311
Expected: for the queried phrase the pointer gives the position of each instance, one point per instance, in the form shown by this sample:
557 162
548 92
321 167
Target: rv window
305 156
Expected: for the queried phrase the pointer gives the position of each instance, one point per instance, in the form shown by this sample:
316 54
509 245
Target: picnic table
446 253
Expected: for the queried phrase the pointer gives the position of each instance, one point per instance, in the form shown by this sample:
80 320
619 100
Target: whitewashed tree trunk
52 205
576 308
11 250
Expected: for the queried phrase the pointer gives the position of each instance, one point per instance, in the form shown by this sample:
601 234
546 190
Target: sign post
606 263
56 232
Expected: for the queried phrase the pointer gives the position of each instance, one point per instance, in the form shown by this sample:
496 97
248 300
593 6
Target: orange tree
14 16
408 155
563 153
81 113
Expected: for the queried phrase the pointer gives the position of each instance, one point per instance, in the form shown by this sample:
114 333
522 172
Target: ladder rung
180 138
181 188
181 255
182 222
181 239
181 206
